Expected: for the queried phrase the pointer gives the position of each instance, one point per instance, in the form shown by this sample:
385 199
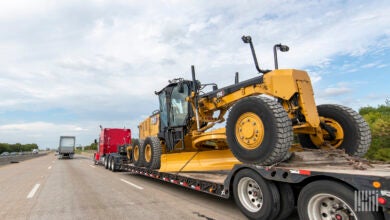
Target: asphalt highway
48 188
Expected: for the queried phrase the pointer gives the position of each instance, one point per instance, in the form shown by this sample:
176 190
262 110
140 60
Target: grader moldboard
259 129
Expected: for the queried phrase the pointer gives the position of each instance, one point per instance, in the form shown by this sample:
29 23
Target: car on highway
13 154
35 151
4 154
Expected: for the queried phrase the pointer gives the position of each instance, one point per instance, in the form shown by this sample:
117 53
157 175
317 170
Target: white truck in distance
66 147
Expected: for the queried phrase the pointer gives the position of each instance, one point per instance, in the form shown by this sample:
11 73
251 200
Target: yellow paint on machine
198 161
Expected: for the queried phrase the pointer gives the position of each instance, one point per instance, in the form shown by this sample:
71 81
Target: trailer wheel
352 132
258 130
152 153
326 199
287 200
137 153
256 197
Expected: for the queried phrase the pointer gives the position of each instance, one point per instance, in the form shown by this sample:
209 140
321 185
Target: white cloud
103 60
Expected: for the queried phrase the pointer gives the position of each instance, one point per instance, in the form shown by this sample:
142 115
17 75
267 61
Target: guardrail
18 158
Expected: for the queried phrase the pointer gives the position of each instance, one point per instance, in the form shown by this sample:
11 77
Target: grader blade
198 161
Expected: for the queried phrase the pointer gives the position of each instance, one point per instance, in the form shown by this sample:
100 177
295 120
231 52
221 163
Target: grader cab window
163 111
179 106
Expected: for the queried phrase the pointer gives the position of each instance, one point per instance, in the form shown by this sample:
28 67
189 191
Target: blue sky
68 66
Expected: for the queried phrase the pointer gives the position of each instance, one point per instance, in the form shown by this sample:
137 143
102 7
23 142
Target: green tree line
17 147
379 121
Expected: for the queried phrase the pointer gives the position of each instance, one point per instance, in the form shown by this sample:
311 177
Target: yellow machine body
208 150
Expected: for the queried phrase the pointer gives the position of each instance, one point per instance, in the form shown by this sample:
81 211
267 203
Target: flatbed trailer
331 184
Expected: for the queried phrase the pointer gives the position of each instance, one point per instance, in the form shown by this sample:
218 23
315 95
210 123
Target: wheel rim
148 153
339 134
136 152
249 130
250 194
326 207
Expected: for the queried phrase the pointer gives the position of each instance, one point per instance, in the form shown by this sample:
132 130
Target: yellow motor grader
264 113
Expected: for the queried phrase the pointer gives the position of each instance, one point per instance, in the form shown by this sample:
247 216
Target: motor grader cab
258 130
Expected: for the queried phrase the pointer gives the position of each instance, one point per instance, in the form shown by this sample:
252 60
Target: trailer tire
256 197
152 153
319 199
258 130
287 200
137 153
353 133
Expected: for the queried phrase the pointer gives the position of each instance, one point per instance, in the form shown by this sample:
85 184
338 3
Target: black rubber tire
110 163
271 198
336 189
139 162
357 134
155 161
278 134
113 166
287 200
106 161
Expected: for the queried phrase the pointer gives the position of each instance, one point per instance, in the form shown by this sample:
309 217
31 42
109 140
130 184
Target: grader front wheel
259 131
348 130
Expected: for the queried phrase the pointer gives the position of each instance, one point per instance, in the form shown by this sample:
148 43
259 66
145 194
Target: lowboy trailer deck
320 184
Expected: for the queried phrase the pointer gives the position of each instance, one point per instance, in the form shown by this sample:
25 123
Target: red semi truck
112 144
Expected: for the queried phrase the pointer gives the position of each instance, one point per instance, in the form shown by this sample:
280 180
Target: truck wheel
137 153
258 130
287 200
352 132
112 164
152 153
326 199
256 197
106 159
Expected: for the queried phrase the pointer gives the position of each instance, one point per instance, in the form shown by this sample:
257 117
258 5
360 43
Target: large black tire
111 163
258 130
152 153
137 153
106 161
287 200
256 197
356 138
321 198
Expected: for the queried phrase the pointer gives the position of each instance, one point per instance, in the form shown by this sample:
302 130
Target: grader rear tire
259 131
152 153
352 131
137 153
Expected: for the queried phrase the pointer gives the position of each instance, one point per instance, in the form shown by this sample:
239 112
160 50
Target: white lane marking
49 168
132 184
33 191
92 166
